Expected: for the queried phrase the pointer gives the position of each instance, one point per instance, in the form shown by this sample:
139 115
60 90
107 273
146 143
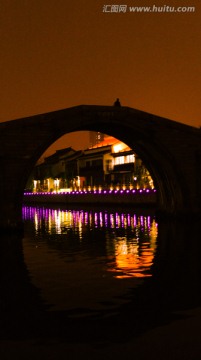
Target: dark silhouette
117 102
127 124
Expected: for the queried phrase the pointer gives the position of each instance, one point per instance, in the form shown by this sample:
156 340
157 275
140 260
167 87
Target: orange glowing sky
58 54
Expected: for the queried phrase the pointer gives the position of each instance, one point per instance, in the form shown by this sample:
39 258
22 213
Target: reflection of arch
170 151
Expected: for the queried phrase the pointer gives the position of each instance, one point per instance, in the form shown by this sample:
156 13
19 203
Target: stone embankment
120 197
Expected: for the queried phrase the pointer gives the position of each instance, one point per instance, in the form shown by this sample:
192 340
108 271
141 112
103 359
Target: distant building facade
54 174
95 137
108 164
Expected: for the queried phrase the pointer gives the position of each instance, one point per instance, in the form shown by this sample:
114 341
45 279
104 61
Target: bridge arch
170 151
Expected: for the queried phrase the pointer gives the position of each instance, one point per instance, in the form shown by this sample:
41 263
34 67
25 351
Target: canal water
88 259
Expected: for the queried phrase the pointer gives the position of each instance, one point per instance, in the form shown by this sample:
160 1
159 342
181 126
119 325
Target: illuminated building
54 174
109 164
112 163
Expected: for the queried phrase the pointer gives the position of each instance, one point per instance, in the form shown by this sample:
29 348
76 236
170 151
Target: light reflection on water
80 257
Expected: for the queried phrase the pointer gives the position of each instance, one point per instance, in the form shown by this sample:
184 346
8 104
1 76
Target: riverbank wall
99 197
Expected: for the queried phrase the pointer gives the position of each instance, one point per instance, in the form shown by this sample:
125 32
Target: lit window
119 160
124 159
129 159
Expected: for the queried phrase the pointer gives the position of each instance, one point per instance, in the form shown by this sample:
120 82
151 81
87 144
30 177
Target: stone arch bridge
171 152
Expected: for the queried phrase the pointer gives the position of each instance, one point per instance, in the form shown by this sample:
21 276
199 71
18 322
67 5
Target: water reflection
76 274
93 245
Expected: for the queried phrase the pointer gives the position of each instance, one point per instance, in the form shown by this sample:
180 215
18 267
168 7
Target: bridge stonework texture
171 152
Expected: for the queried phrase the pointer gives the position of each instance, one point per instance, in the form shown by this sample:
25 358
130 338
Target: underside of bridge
171 152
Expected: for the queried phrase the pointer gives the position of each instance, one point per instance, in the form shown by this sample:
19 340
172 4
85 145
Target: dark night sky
58 54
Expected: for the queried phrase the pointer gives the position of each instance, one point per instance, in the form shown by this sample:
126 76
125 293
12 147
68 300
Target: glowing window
124 159
129 158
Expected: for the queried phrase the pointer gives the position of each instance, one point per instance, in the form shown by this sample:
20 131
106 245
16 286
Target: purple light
79 192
